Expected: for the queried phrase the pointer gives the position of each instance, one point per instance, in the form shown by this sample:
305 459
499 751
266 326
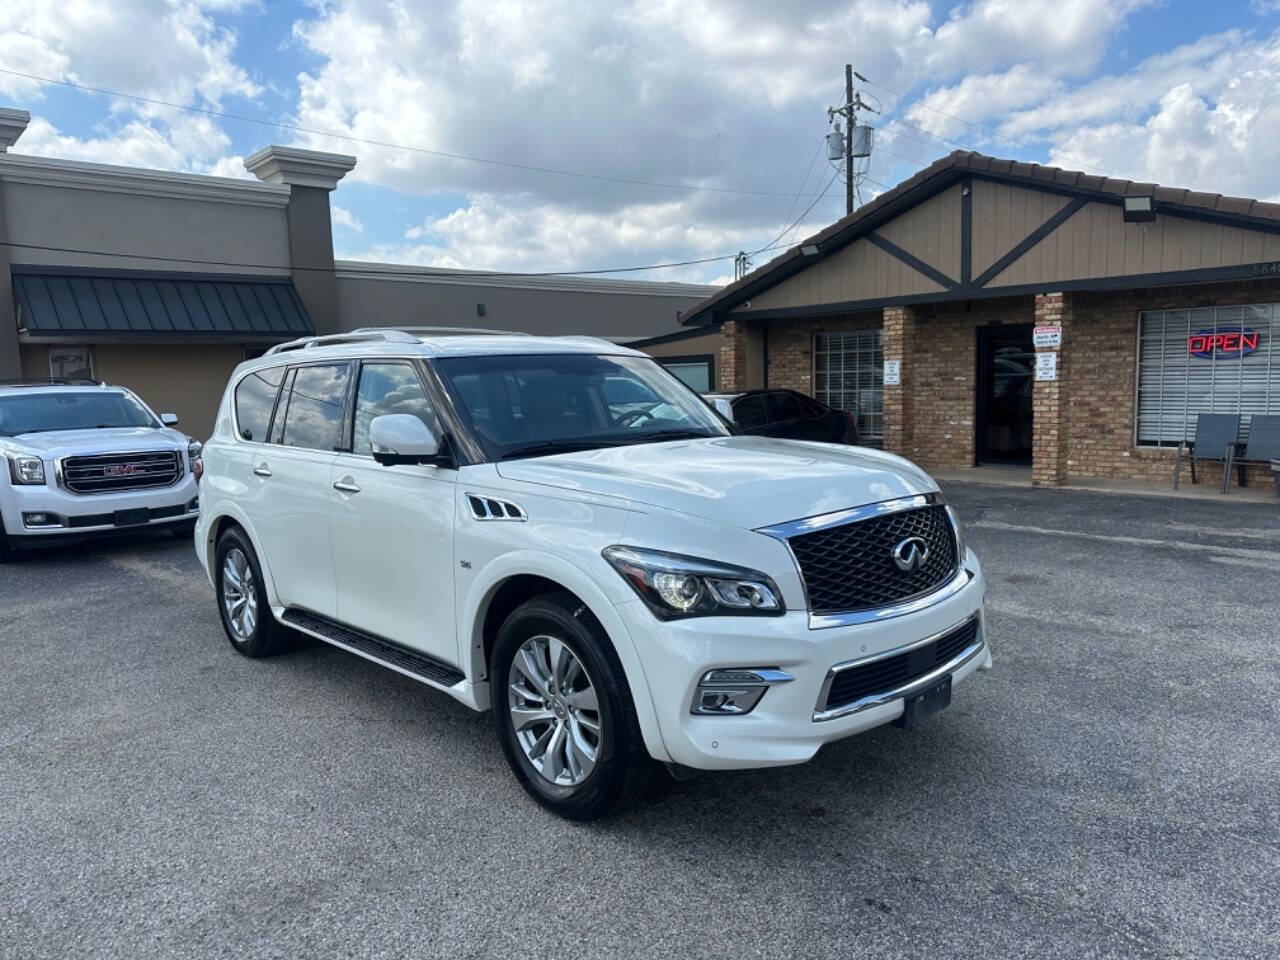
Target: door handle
346 485
262 470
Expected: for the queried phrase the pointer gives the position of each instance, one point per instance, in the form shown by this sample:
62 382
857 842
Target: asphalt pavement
1110 789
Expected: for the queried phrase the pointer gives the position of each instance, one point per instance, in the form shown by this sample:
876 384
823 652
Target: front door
392 527
1006 378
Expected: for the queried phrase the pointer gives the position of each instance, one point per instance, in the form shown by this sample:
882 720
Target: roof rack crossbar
463 331
49 382
386 335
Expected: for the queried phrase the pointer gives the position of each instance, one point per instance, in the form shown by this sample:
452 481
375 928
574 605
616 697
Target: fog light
41 520
193 505
734 691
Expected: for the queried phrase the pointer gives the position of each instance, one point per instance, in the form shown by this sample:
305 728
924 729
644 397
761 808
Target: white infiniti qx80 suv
560 531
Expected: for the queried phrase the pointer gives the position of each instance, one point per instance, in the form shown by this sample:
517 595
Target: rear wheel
242 598
564 712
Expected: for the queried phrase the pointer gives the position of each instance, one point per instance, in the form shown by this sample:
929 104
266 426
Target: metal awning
60 302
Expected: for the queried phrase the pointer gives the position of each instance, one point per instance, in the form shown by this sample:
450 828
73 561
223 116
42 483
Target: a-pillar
899 334
1049 398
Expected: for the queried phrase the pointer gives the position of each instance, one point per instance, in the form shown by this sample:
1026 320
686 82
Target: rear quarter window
255 398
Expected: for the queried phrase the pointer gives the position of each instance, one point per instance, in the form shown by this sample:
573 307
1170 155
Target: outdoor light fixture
809 250
1139 209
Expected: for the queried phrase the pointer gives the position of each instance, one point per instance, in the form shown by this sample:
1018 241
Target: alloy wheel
239 594
554 710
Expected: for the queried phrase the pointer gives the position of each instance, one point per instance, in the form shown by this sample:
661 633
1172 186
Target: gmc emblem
120 469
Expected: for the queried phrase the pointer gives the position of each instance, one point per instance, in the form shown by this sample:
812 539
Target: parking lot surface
1111 788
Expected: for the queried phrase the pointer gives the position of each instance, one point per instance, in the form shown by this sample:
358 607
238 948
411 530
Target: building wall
186 379
377 297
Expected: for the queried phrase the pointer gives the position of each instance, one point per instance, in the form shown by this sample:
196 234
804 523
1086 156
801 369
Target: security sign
1047 337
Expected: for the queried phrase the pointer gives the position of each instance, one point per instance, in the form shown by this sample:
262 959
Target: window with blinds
1206 360
848 374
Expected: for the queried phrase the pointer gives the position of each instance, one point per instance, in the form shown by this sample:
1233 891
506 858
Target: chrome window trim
785 531
903 690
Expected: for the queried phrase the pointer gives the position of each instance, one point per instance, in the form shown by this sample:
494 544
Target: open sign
1223 343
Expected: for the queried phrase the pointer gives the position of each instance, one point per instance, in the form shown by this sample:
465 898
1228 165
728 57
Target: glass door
1006 378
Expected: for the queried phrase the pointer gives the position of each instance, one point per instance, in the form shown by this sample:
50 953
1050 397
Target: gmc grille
851 567
113 472
892 673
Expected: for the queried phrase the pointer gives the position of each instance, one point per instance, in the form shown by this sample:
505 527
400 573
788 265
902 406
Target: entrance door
1006 377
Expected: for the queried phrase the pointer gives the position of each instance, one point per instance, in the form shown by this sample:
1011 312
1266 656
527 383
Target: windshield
43 412
517 406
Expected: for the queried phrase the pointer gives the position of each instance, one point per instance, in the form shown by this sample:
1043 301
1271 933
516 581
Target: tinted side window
255 398
748 412
783 407
314 416
812 408
387 388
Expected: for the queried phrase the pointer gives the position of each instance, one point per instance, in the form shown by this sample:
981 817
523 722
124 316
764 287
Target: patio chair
1262 447
1216 438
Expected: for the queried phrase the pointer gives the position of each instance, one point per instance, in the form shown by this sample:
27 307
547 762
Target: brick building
1162 303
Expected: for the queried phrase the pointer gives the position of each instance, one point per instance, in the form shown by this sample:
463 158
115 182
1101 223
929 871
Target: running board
401 659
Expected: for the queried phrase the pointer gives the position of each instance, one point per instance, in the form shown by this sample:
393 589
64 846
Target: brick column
733 356
1049 399
899 344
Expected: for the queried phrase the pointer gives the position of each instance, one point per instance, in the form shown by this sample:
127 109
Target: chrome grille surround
119 472
950 583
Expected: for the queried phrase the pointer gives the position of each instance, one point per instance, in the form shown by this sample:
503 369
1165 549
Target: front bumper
73 517
785 727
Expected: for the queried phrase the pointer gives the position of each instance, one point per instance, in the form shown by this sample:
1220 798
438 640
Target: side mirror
169 419
402 438
723 407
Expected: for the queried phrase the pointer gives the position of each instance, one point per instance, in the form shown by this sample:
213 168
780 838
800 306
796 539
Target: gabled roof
950 169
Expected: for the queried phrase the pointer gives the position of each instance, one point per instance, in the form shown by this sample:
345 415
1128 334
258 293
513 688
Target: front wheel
242 598
564 711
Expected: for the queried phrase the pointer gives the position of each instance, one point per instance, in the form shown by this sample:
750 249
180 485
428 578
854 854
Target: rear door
749 414
391 528
291 477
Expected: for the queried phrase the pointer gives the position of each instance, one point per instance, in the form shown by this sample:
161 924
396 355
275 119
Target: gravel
1109 789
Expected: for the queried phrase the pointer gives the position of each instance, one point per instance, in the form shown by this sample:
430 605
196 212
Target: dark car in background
788 414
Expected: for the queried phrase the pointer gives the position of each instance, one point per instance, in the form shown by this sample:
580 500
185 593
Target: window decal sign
1223 343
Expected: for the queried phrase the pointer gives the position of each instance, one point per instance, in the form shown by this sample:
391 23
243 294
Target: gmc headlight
26 470
674 586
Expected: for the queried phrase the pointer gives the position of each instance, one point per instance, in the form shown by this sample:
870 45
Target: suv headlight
26 470
674 586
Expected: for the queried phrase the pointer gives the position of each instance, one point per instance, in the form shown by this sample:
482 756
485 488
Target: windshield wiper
670 435
548 447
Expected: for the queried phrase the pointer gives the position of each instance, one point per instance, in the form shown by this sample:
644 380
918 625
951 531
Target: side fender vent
488 508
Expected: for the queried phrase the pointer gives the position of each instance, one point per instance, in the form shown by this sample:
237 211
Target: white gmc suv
559 530
81 459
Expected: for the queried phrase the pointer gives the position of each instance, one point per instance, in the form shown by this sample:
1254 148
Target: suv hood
742 481
61 443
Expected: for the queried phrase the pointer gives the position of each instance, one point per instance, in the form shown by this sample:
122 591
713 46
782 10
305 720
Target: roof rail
49 382
461 331
386 335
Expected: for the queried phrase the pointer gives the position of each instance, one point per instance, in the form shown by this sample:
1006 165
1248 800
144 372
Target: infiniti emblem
911 554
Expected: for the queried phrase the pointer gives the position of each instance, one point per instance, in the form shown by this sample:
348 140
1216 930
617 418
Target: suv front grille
851 567
112 472
893 673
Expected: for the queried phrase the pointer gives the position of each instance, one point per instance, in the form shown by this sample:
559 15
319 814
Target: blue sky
726 96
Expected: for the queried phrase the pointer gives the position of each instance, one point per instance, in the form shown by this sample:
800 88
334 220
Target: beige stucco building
163 282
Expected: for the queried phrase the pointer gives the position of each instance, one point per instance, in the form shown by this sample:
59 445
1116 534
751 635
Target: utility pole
848 140
853 143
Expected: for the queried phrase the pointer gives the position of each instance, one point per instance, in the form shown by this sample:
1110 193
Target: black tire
183 531
267 637
623 767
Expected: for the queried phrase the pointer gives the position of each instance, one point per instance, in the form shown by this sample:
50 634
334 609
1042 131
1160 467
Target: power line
408 272
987 130
774 244
282 125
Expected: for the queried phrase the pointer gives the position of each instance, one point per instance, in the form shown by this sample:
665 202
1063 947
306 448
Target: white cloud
163 49
342 217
